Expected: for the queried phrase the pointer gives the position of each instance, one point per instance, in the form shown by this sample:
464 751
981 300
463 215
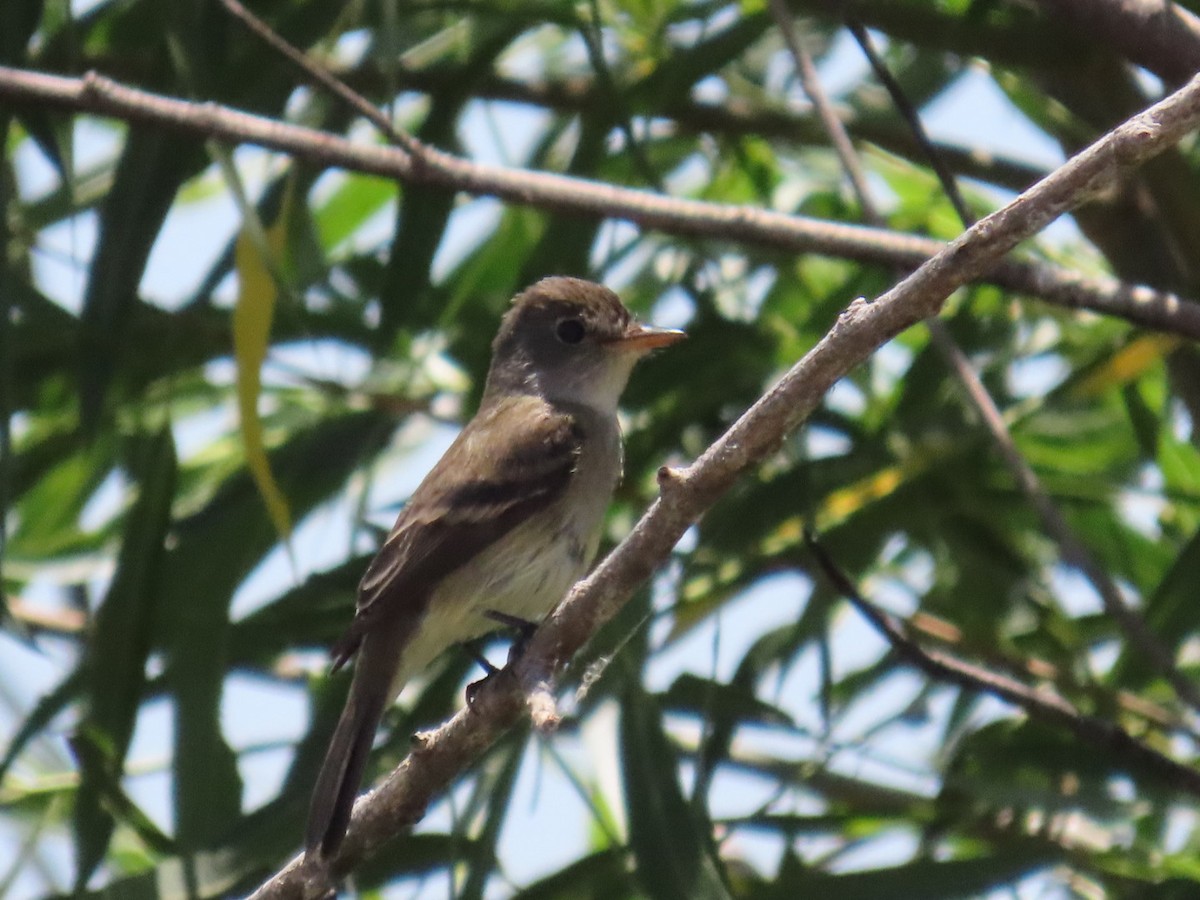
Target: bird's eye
570 331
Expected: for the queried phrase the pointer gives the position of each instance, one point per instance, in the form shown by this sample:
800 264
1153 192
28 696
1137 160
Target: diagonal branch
323 78
688 493
744 225
1045 706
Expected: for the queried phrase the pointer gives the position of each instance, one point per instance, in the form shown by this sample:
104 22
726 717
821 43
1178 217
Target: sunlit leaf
252 316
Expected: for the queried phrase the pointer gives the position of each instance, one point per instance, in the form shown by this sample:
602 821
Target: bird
503 525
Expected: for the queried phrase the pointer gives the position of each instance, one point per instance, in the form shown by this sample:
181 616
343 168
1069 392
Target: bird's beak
643 338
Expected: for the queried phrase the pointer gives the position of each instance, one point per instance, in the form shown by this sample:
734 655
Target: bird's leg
523 627
471 648
476 654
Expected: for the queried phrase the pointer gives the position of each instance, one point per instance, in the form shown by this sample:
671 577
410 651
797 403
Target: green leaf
153 165
356 199
1171 610
115 663
216 549
48 706
494 792
674 856
925 878
18 20
601 874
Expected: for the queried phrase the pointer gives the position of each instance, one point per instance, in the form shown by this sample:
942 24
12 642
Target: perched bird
505 523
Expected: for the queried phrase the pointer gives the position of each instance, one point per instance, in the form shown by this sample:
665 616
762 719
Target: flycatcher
505 523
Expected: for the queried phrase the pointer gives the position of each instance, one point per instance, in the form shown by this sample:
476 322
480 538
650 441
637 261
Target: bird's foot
489 672
523 627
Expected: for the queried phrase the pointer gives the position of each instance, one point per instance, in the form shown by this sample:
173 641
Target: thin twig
944 632
810 81
1074 552
910 115
592 33
38 619
1043 705
324 78
687 493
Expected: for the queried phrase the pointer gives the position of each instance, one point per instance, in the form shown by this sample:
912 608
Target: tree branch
687 493
1158 35
1045 706
745 225
732 118
1150 713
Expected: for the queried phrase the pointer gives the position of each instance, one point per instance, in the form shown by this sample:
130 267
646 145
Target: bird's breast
526 572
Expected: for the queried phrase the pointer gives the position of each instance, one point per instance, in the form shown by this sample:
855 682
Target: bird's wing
513 459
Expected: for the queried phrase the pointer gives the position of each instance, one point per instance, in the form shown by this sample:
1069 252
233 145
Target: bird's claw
524 628
489 672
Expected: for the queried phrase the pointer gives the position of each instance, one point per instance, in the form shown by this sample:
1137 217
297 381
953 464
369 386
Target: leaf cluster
221 371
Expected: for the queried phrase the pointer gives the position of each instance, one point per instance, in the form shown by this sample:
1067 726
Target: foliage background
763 741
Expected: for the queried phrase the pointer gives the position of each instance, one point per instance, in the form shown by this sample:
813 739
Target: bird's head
573 341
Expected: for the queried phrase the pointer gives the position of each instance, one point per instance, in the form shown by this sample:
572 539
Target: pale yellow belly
525 574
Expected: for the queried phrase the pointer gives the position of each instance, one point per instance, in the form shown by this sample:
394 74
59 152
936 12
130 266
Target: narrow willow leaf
1127 364
115 662
152 167
925 878
216 548
257 294
674 858
49 706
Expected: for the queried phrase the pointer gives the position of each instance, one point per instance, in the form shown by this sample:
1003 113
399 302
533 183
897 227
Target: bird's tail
342 771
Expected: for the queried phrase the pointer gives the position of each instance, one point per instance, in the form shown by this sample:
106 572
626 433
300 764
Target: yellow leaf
843 503
257 293
1127 364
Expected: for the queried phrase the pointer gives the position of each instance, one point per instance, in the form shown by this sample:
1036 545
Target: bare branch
732 117
1158 35
1045 706
912 117
689 492
745 225
37 619
1074 551
949 634
806 72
